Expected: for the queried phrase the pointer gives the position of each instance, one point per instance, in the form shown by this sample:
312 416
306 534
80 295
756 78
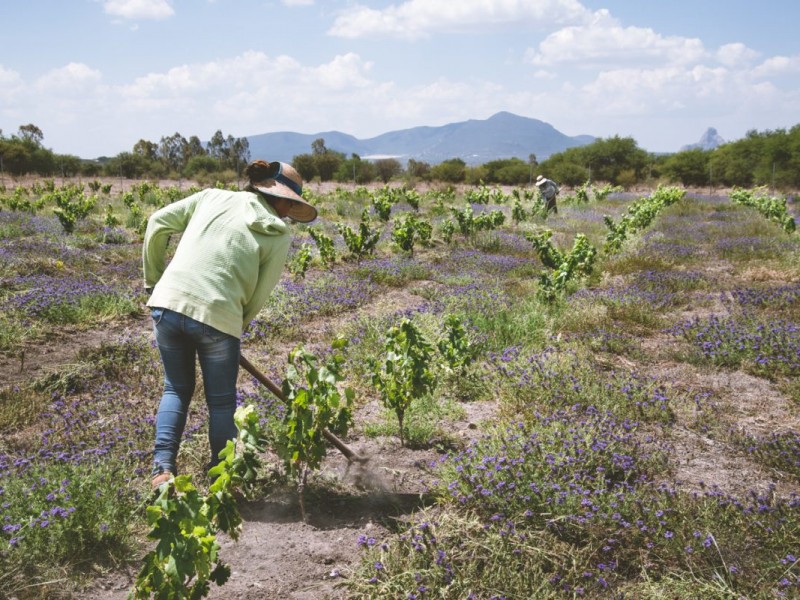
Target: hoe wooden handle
272 387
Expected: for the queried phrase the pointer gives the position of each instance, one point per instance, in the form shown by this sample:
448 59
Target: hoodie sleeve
171 219
276 248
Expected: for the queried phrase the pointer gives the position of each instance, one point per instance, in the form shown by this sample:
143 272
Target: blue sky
96 76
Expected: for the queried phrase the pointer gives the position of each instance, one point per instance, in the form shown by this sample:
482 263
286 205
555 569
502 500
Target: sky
97 76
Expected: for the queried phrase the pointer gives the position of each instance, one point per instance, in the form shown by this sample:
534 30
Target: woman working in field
230 257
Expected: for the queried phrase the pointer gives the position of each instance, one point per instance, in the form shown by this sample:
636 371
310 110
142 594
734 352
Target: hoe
272 387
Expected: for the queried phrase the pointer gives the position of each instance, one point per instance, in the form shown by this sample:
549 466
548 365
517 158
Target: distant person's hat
282 181
540 180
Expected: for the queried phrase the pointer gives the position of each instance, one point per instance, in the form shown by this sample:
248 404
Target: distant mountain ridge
503 135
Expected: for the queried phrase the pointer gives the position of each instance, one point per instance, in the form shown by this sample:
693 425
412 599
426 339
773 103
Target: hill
503 135
708 141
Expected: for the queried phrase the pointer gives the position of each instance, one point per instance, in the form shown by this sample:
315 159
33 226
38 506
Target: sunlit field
635 355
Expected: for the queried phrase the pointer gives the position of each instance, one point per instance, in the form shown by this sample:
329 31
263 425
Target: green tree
238 153
614 160
326 162
146 149
689 167
68 164
32 134
127 165
195 148
417 169
507 171
216 147
198 165
732 165
451 171
305 165
172 151
42 161
14 156
566 169
608 158
356 169
387 168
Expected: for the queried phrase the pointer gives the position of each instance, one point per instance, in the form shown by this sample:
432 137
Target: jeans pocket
157 314
213 334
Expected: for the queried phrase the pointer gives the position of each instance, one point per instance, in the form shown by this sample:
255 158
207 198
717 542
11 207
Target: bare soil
279 556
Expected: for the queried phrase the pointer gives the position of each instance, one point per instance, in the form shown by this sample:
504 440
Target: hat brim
300 210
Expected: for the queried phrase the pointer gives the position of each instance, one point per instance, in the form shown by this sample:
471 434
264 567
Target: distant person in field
232 250
549 190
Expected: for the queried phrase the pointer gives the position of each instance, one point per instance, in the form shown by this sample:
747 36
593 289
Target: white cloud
347 71
253 71
254 92
73 78
414 19
10 84
139 9
735 55
544 74
778 65
297 2
604 41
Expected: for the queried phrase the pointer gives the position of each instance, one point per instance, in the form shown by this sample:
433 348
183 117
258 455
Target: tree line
770 158
172 157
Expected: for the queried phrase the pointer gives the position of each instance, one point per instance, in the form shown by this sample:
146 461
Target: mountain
503 135
708 141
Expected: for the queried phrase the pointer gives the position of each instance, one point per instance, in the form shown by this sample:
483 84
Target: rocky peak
708 141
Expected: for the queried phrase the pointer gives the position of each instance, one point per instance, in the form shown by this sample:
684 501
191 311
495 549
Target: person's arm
166 221
269 273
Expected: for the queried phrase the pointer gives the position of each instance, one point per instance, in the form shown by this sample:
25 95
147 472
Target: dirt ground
279 556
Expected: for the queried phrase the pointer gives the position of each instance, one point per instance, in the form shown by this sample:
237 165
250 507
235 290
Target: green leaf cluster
469 224
314 405
564 267
382 203
301 261
325 245
456 348
72 205
409 229
772 208
404 372
639 216
185 523
362 243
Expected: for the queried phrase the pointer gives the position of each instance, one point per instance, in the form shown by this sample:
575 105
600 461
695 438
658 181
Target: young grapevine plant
302 260
410 229
772 208
639 216
327 249
404 373
362 243
456 348
564 267
314 405
185 523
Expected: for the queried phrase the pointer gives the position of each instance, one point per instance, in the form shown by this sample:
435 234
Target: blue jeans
180 339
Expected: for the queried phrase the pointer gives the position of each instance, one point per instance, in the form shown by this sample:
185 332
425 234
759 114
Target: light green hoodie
229 258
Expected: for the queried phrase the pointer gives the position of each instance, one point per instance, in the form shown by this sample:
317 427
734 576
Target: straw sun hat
282 181
540 180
